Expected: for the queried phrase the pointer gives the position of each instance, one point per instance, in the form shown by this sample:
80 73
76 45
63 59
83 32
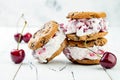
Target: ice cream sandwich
47 42
82 52
85 26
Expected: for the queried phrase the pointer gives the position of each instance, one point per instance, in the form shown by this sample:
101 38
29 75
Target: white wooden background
59 68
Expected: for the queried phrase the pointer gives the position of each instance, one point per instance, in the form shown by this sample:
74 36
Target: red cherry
108 60
17 56
18 37
27 37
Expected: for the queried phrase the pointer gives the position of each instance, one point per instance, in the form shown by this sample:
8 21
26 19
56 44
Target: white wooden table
59 68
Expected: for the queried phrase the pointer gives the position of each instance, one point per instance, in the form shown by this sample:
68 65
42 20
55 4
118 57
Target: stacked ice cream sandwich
85 33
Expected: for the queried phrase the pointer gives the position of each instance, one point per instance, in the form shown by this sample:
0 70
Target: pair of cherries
18 55
26 37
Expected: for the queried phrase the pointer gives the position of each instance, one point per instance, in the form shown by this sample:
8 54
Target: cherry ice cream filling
77 53
85 26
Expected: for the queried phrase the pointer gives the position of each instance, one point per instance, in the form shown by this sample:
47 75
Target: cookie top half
80 15
43 35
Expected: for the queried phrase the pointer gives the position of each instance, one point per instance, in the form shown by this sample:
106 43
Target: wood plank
88 72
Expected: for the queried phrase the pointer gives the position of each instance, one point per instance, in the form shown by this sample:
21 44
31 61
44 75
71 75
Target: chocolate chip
72 14
32 45
55 22
88 36
93 16
42 42
95 43
36 33
76 45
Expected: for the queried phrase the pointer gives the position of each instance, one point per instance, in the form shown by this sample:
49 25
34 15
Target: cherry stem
21 34
90 49
17 71
22 16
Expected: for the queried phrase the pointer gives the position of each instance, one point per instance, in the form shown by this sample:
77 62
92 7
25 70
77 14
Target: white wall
40 11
